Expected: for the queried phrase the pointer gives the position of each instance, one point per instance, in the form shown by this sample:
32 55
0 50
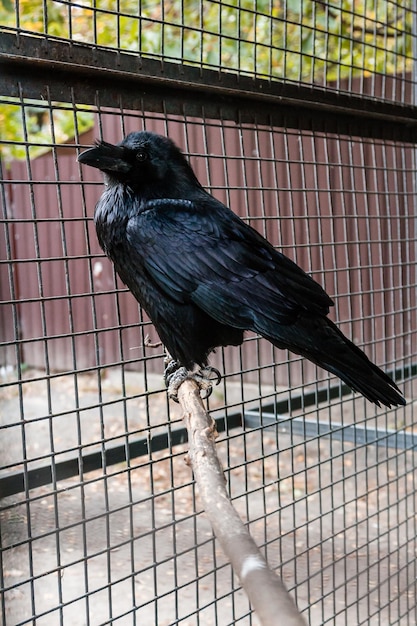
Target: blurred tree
310 41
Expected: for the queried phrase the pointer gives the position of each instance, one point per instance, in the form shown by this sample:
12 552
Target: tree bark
265 590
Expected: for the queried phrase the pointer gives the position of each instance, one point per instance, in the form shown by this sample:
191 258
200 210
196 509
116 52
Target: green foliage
32 123
296 40
7 5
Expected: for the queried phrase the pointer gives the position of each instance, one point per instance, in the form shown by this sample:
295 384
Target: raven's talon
206 389
205 379
210 374
174 376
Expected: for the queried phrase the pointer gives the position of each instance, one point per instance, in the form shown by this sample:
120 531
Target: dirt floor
130 545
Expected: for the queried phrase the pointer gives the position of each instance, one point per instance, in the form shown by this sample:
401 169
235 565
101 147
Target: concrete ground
130 545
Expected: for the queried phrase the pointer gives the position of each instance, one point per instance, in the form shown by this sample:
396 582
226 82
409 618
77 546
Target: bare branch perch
265 590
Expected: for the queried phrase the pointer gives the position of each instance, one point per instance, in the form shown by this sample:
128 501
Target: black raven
204 276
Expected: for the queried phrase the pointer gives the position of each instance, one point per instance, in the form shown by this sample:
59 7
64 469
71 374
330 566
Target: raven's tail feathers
323 343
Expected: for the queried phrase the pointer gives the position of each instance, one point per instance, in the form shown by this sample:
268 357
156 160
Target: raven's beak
105 157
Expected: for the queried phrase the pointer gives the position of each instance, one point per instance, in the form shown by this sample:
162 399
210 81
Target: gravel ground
120 548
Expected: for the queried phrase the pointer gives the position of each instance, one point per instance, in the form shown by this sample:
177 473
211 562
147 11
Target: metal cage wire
333 45
101 522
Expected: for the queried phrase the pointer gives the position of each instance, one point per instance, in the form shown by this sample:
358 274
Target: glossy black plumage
203 275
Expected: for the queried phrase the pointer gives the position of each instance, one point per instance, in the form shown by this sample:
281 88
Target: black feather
204 276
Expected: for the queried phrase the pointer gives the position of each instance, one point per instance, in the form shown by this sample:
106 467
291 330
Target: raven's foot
205 378
171 367
174 375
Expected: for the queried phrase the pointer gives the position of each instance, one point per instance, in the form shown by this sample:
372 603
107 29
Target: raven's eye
141 155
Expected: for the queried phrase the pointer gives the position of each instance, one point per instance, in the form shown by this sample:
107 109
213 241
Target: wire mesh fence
333 45
300 118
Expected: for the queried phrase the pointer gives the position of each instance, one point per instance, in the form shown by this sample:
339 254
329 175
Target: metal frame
77 72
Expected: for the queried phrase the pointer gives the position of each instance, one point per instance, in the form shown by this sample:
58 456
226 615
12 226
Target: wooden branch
265 590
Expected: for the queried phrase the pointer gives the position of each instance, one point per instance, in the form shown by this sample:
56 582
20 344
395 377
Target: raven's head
145 162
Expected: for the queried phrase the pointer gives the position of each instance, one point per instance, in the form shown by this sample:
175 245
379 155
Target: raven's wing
201 252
